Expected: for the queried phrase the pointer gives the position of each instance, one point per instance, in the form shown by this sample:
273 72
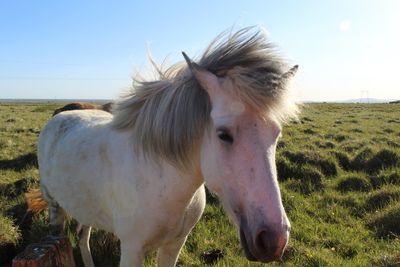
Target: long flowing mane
169 116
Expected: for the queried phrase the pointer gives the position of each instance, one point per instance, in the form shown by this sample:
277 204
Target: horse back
72 155
68 126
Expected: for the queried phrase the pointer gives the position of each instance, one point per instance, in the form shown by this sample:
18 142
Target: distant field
339 170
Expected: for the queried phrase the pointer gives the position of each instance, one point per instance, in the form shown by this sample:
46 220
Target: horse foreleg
84 236
168 254
131 255
57 218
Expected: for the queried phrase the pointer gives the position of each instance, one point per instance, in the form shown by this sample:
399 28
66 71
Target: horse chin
245 247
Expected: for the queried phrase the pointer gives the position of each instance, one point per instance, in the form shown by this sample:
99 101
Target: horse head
238 165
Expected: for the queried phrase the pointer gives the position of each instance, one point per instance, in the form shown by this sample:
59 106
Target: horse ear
290 73
207 80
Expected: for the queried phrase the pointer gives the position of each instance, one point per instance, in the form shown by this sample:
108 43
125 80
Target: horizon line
355 100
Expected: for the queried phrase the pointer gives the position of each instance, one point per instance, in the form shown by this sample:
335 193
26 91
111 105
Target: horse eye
225 136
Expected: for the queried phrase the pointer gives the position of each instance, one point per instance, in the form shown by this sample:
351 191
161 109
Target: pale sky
90 49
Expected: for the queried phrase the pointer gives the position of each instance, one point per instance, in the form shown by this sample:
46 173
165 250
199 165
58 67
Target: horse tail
35 201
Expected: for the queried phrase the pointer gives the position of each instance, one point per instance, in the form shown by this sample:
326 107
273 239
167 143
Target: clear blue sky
89 49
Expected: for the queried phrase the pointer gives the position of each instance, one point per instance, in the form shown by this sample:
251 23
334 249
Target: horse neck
177 186
190 179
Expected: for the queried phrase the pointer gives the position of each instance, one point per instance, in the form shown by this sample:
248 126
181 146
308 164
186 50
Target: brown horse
77 105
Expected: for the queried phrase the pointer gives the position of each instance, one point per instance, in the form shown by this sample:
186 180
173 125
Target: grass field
339 171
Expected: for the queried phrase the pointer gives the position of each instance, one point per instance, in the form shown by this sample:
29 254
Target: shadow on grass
8 250
385 223
13 190
354 182
372 162
19 163
300 178
326 165
381 199
211 198
385 177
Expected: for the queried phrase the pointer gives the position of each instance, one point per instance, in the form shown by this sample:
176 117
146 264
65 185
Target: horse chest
181 221
171 221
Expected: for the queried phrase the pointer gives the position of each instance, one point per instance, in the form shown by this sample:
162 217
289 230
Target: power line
62 78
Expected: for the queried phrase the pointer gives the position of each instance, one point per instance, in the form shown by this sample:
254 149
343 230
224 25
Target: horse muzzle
266 244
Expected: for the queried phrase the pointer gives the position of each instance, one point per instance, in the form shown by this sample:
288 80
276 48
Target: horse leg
57 218
84 236
131 254
168 254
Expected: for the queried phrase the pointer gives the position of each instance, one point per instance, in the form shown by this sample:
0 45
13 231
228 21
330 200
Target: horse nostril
269 245
265 242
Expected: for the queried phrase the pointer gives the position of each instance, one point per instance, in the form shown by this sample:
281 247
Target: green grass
339 171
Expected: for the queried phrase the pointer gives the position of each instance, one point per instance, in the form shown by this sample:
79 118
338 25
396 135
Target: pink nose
270 245
266 246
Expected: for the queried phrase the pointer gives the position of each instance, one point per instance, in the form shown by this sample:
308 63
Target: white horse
140 173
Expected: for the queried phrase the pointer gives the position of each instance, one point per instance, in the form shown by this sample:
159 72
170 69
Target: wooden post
52 251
